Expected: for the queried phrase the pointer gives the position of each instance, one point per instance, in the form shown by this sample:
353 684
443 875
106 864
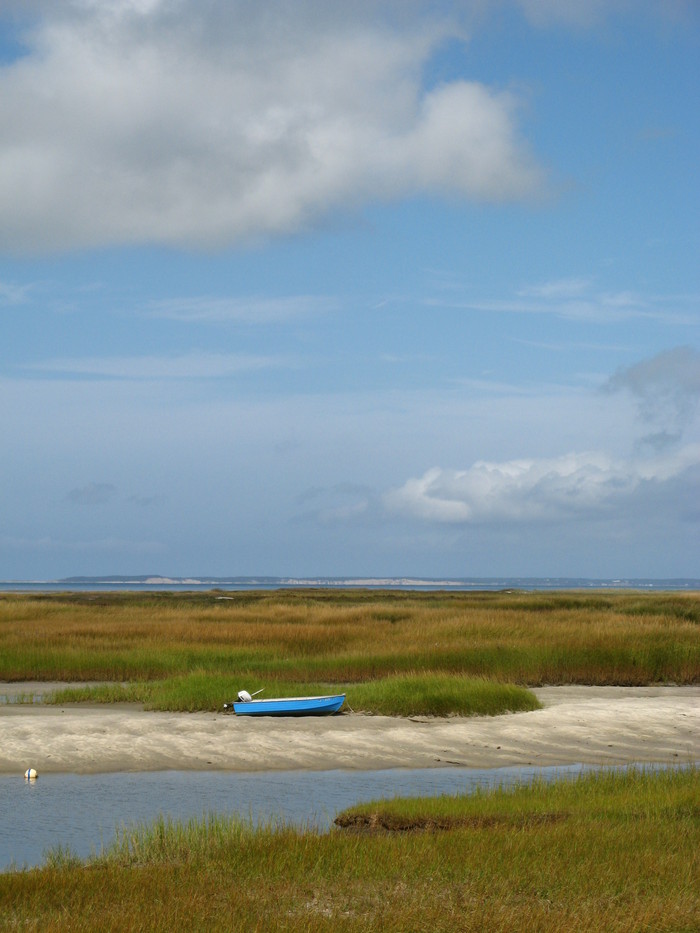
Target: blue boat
286 706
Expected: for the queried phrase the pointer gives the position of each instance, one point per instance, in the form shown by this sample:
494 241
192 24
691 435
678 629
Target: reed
323 637
620 854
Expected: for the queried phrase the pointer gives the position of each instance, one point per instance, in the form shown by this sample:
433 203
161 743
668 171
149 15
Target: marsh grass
200 647
617 795
167 840
432 694
621 856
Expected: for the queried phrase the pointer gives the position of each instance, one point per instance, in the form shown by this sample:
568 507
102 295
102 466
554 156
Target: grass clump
171 841
621 855
99 693
615 795
433 694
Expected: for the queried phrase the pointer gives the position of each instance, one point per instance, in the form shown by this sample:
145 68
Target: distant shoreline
155 582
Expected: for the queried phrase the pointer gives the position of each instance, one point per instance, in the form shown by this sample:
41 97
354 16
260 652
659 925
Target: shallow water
81 812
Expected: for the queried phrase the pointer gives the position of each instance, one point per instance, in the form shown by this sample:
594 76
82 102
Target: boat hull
291 706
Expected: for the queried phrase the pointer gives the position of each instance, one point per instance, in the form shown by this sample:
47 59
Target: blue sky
385 288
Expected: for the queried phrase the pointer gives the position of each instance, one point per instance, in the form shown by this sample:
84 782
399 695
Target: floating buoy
30 775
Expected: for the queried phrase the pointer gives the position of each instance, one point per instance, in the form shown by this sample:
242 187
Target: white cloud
210 124
557 289
249 310
185 366
576 299
13 294
573 485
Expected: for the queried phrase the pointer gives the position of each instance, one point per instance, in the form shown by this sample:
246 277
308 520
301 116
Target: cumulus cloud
577 484
173 121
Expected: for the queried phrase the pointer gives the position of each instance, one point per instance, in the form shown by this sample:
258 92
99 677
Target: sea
155 583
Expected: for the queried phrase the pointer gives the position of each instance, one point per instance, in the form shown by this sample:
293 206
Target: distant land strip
398 582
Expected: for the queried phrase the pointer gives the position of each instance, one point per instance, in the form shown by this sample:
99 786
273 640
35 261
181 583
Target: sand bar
596 725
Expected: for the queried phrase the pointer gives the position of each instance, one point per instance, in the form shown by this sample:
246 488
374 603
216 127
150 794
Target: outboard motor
244 696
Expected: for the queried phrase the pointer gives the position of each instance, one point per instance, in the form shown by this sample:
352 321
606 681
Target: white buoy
30 775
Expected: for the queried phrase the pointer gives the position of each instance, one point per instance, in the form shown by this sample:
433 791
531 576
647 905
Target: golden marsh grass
341 638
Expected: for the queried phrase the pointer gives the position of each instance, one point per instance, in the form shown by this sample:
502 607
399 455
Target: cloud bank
206 125
576 484
666 390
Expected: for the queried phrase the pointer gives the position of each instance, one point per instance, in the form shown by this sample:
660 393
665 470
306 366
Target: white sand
597 725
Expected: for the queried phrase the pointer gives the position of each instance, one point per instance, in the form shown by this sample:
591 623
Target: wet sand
594 725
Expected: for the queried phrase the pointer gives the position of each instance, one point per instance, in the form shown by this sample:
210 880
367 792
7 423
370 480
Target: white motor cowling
244 696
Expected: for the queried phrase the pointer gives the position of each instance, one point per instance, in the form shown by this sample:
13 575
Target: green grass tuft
431 694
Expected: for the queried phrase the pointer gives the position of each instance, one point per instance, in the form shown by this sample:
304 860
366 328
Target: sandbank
592 725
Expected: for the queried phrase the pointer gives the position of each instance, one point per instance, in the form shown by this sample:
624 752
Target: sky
384 288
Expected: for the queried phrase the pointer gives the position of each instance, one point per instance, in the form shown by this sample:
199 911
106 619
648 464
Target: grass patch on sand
425 694
611 851
439 695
